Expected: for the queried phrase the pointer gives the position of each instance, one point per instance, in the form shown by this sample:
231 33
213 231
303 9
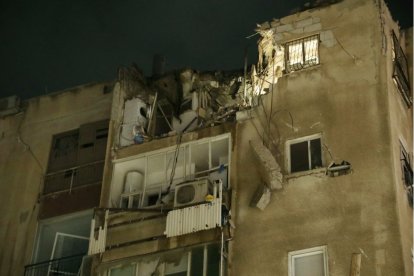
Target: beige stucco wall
346 99
25 141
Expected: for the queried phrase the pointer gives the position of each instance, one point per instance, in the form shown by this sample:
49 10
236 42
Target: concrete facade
25 144
336 93
351 101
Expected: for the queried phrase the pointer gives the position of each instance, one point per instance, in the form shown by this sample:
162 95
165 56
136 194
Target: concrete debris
338 169
261 198
188 99
271 172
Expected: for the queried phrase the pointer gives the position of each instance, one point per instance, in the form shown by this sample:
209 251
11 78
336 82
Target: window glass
177 268
295 53
213 260
219 152
302 53
311 51
312 265
315 152
128 270
197 259
200 157
306 155
299 158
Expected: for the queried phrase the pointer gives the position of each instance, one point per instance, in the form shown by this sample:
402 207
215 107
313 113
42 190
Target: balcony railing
68 179
63 266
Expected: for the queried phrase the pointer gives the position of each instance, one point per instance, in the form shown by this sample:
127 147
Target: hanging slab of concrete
261 197
269 167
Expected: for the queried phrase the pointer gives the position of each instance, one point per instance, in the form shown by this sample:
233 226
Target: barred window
302 53
400 73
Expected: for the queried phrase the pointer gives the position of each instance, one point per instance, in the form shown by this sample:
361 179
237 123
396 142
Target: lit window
302 53
304 153
308 262
400 73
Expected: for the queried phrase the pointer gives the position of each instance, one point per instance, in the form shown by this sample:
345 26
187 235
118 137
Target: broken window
400 73
302 53
304 154
407 173
308 262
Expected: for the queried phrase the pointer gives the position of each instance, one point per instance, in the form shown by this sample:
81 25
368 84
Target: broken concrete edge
270 168
261 197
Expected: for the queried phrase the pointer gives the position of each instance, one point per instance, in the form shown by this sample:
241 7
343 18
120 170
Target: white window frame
300 140
308 252
187 147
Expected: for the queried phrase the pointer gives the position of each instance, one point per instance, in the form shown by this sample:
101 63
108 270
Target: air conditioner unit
9 105
189 193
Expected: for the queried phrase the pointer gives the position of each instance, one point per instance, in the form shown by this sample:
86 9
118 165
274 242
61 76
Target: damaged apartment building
300 164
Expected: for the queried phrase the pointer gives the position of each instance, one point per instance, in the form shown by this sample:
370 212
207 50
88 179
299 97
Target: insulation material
193 219
270 169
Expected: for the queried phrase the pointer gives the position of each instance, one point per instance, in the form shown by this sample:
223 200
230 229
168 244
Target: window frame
206 248
400 70
300 140
305 61
308 252
406 167
186 148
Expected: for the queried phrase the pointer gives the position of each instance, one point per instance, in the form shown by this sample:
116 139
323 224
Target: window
400 71
407 173
302 53
200 261
304 154
144 181
309 262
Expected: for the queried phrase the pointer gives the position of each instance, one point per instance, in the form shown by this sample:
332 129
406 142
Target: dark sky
49 45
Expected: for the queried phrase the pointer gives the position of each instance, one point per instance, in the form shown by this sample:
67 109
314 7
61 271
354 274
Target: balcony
115 228
63 266
72 178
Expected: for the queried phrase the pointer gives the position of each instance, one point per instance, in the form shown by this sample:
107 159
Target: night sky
50 45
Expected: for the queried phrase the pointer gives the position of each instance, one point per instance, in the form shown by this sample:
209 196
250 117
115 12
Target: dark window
400 71
302 53
306 155
407 174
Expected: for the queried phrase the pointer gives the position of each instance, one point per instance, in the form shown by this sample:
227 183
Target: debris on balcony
338 169
270 169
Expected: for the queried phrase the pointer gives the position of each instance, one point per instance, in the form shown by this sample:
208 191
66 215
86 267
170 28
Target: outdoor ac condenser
189 193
